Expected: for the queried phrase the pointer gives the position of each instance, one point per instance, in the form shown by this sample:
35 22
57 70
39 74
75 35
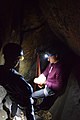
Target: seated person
54 78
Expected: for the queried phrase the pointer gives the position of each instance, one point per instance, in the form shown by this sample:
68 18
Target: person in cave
18 89
54 78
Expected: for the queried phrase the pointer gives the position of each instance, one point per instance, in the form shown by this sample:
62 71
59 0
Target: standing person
18 89
55 78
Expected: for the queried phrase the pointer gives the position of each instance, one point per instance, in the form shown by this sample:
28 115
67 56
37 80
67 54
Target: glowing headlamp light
21 56
46 56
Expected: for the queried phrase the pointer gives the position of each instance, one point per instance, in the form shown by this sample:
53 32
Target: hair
54 52
12 50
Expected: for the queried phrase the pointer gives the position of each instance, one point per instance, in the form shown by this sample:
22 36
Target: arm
55 81
42 78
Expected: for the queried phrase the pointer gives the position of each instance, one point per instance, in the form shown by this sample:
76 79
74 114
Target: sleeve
42 78
26 88
46 71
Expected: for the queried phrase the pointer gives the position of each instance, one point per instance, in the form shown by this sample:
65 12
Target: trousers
43 93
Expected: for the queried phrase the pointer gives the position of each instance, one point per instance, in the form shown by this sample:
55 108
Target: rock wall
36 25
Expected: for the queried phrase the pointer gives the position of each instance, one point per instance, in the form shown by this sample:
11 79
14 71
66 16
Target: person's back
17 88
15 84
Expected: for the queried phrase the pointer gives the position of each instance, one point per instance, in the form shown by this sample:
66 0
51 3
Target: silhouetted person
18 89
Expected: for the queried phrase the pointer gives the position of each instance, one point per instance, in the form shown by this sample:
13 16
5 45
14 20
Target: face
16 62
52 59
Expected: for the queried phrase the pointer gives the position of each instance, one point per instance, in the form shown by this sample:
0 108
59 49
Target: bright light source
46 56
22 53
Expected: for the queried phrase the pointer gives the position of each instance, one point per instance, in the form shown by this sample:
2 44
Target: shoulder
58 67
15 73
16 76
19 78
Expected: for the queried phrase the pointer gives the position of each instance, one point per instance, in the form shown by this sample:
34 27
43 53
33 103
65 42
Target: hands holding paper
40 80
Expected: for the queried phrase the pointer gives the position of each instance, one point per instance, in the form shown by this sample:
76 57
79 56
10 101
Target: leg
48 96
38 94
29 109
43 93
30 113
7 110
13 109
48 91
47 102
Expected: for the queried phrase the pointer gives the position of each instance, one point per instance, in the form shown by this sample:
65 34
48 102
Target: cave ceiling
38 19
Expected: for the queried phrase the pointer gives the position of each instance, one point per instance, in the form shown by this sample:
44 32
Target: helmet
53 52
12 51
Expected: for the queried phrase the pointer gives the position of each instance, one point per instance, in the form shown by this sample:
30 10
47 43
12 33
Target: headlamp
46 56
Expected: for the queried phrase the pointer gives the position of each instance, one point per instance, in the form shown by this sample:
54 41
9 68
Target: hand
39 81
36 81
40 86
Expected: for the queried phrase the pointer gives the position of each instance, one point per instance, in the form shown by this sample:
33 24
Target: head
13 53
53 56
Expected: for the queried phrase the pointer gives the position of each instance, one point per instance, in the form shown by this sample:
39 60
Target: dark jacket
18 89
